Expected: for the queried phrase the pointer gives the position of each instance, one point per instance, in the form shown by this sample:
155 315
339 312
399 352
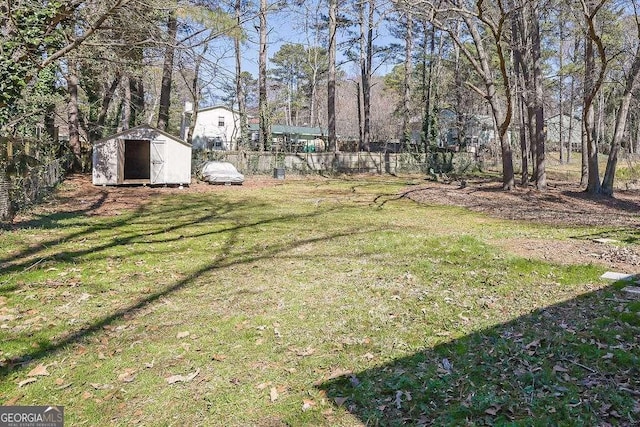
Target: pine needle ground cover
320 302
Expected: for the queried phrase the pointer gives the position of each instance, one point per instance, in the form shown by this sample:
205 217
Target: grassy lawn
328 302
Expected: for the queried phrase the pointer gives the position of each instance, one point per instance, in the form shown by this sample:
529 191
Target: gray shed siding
142 155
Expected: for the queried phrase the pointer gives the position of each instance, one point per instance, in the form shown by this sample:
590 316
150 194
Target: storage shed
141 155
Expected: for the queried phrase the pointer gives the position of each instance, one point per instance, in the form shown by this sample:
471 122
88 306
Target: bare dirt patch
562 204
78 194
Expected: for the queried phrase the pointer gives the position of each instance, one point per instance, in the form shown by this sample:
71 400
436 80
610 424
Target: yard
345 301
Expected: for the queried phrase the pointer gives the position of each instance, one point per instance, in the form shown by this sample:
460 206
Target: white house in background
216 128
570 128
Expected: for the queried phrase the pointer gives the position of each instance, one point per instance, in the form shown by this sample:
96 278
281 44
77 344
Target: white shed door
158 155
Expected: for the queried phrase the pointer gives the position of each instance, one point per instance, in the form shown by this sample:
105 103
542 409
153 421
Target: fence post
5 200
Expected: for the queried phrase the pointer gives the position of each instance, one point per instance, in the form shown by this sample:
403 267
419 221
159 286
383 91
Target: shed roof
216 107
141 127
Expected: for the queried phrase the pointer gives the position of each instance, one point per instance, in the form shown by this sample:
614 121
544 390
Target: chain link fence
27 176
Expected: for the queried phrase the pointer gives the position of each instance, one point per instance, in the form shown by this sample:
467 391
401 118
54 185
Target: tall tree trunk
621 123
502 119
136 85
520 71
540 161
593 79
73 115
561 133
588 119
406 85
428 118
241 96
167 72
584 168
195 94
366 57
126 107
531 128
366 100
331 77
264 133
524 144
97 130
572 96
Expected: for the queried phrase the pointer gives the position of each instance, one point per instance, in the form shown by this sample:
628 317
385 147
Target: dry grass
321 302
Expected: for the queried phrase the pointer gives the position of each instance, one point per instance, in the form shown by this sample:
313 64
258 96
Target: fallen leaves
305 352
336 373
27 381
445 366
307 404
33 374
558 368
340 400
39 371
273 394
14 400
129 375
173 379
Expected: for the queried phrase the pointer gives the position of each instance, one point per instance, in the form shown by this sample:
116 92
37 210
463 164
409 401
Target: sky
283 29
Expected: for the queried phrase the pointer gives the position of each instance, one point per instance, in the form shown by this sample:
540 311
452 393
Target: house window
221 121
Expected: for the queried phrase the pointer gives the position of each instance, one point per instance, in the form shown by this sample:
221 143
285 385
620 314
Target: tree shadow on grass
233 253
182 219
574 363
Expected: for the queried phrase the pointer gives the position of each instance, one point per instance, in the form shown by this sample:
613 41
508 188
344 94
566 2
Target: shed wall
176 158
177 163
105 163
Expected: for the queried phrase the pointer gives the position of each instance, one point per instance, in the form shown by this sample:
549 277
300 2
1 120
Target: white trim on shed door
158 154
119 161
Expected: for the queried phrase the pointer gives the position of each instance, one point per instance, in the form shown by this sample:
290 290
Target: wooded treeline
96 67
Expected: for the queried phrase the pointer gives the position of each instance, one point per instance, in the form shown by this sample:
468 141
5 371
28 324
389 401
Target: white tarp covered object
221 173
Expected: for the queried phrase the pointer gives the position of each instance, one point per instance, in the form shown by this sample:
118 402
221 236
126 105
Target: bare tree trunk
428 112
593 80
572 95
331 78
540 161
126 108
518 46
621 124
195 94
137 100
264 133
561 87
406 86
366 58
167 72
73 83
359 105
524 145
502 118
531 129
242 105
636 144
588 118
110 90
